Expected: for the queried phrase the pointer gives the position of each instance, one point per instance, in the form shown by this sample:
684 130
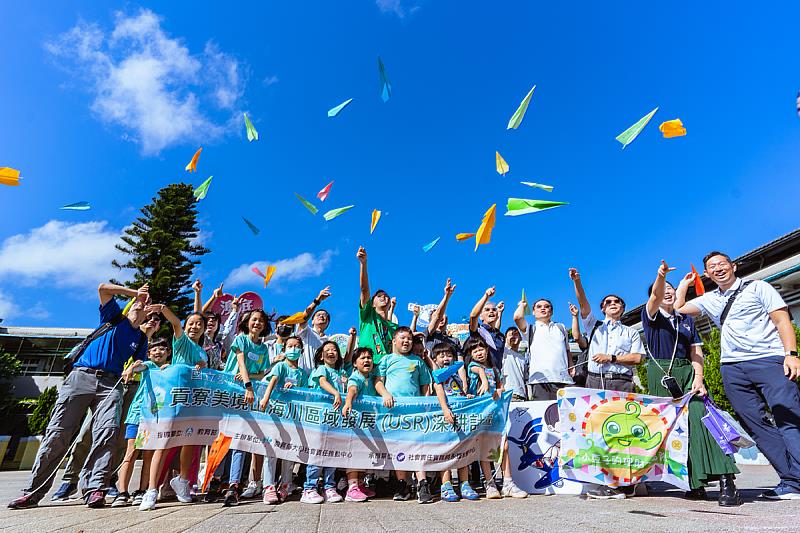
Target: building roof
45 333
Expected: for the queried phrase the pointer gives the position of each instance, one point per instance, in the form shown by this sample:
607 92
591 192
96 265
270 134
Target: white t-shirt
547 353
311 343
748 333
515 371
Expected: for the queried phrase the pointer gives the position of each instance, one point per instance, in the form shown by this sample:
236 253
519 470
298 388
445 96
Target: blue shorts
131 430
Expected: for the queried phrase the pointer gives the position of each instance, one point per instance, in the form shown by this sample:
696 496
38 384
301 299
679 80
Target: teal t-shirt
404 374
187 352
256 356
365 386
286 374
135 410
475 380
337 378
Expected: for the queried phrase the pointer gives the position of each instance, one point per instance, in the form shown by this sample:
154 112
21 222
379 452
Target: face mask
293 354
284 330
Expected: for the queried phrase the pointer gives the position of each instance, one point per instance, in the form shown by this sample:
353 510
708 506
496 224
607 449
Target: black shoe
66 490
214 491
606 493
403 493
728 493
424 492
698 494
231 497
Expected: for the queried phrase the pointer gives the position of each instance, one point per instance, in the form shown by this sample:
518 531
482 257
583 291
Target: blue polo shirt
659 333
110 351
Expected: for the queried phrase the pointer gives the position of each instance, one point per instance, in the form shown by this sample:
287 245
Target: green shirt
404 374
365 386
286 374
374 332
256 356
335 377
187 352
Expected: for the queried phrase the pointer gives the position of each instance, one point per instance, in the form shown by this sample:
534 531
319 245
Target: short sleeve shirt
547 353
109 351
475 380
312 341
659 334
335 377
187 352
286 374
374 332
135 410
496 341
437 337
404 374
364 384
515 371
453 386
256 356
611 338
748 333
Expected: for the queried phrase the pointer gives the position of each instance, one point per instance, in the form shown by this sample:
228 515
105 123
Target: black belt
97 372
612 375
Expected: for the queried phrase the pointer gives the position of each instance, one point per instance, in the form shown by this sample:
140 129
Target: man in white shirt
313 337
759 363
548 351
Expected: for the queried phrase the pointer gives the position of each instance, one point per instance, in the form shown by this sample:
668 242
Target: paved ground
663 511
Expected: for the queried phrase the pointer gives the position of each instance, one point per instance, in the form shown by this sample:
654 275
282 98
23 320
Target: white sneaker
182 489
149 500
311 496
511 489
331 496
253 489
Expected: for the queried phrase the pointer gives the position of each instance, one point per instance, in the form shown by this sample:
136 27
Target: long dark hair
245 319
318 355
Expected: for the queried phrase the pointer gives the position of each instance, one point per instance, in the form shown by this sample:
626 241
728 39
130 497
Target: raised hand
664 269
416 310
218 291
448 288
197 286
324 293
574 275
501 306
361 255
573 309
490 292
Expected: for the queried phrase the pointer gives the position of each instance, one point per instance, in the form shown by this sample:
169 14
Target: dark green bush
38 420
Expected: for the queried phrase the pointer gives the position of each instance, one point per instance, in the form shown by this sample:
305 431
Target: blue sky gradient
426 158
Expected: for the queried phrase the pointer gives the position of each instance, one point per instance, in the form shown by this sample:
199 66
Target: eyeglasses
612 301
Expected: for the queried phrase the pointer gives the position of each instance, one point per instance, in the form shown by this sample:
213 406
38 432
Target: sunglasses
612 301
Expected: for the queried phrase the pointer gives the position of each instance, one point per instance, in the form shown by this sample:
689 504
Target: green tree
161 247
40 416
10 367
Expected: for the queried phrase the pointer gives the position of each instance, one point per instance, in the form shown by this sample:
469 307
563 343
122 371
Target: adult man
614 350
93 384
674 350
313 337
548 351
375 327
488 328
759 363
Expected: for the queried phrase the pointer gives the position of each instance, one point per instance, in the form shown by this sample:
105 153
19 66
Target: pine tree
160 247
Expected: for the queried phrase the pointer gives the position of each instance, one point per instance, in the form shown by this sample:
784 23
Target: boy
403 374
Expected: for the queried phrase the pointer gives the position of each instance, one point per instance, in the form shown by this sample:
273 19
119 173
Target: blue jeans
237 463
312 475
751 387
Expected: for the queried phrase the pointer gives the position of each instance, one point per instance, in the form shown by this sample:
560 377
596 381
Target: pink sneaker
331 496
311 496
369 492
355 494
282 492
271 495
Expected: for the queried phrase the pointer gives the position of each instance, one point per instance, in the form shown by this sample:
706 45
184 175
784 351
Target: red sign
247 302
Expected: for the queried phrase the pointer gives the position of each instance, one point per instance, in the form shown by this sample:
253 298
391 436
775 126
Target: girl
157 352
212 342
360 383
484 378
185 351
249 360
329 377
444 355
284 375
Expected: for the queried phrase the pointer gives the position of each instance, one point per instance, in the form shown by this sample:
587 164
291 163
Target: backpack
532 330
582 364
77 351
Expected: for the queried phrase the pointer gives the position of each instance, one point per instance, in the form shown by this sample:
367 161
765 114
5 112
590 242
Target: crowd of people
388 360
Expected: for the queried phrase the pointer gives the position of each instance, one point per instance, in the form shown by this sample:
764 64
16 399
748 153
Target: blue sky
107 103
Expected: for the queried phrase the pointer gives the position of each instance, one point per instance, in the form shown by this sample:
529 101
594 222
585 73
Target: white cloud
150 83
61 254
8 308
302 266
271 80
395 7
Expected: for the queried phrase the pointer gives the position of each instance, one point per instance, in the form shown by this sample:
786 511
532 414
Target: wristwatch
248 385
613 358
791 353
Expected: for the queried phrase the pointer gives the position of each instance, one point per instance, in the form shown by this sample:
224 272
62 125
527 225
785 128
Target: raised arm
392 305
214 297
519 317
197 287
659 285
500 308
476 310
441 309
680 296
177 328
363 279
580 294
576 328
415 318
323 294
351 345
106 291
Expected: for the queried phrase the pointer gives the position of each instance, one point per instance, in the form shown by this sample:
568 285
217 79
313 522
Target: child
444 355
185 351
329 377
284 375
402 374
515 366
484 378
158 352
249 360
360 383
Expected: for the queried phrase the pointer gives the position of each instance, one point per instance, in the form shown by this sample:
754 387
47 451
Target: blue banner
184 406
